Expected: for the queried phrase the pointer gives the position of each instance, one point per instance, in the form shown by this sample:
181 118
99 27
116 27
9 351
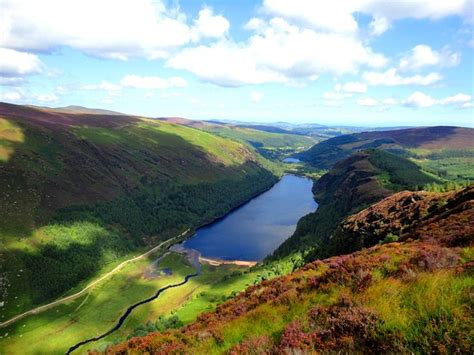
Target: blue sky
351 62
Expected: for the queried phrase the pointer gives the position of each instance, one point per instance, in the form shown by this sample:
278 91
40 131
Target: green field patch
55 330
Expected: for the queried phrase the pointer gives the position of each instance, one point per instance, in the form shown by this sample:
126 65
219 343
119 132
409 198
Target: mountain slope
413 296
353 184
79 191
430 146
271 142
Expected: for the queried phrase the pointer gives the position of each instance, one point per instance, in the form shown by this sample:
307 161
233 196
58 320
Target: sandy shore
224 262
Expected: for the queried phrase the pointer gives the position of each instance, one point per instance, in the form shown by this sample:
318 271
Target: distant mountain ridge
325 154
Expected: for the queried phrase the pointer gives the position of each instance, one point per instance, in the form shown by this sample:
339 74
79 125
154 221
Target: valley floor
97 310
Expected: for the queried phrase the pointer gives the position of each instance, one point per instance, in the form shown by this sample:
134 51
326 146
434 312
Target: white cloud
422 56
421 100
11 96
418 100
209 25
16 64
224 63
369 102
335 15
256 96
378 25
391 78
152 82
106 28
254 24
277 53
456 99
417 9
338 15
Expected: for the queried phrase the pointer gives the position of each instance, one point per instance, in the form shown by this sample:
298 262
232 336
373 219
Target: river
257 228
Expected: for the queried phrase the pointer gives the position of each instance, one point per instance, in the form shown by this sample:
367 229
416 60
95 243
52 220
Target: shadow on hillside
148 184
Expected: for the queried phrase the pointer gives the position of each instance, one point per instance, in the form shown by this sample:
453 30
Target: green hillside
272 145
351 185
413 296
445 151
81 191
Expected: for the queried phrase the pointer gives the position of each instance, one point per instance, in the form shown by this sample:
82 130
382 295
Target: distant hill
411 294
351 185
422 144
271 142
79 109
81 190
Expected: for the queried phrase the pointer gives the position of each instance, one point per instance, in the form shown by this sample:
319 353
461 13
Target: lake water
291 160
257 228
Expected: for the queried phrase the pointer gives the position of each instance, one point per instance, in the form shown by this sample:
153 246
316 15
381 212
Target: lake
291 160
257 228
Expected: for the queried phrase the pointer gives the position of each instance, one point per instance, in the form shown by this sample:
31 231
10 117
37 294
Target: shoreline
217 262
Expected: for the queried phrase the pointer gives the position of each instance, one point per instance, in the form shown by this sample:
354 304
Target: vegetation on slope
412 296
79 191
272 145
353 184
445 151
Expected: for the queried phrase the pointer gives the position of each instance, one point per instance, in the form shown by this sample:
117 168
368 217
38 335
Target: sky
339 62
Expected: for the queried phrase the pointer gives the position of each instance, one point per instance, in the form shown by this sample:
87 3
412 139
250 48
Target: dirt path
42 308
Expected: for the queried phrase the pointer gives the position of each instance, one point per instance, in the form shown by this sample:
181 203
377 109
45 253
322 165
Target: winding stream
193 258
249 233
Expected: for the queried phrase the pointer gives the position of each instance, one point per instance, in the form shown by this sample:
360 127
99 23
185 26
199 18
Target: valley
177 219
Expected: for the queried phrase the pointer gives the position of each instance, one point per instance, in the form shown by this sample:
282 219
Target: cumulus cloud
338 15
456 99
209 25
107 28
391 77
16 64
277 53
418 100
333 16
421 100
422 56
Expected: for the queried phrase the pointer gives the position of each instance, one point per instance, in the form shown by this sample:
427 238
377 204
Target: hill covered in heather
446 151
413 295
351 185
80 190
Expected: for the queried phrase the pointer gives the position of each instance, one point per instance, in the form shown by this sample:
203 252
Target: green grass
203 293
55 330
433 307
77 199
271 145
